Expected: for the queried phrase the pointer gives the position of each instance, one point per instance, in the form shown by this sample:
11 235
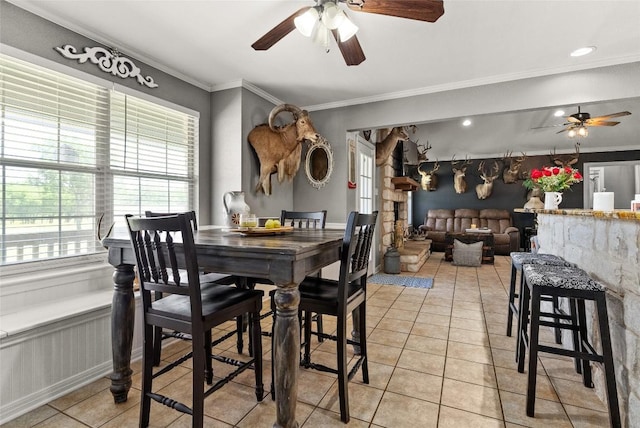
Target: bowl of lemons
272 223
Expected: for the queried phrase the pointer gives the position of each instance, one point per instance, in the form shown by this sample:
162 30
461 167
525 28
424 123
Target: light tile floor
438 358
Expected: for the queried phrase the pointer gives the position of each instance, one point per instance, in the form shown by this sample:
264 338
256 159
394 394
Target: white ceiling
475 42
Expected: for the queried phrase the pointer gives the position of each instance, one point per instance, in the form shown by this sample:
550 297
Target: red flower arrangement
553 178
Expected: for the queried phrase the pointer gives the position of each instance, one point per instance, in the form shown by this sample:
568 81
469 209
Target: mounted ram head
279 148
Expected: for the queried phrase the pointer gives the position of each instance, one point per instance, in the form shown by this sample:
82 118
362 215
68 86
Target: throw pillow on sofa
467 254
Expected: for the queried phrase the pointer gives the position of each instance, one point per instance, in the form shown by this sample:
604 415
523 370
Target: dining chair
302 220
207 279
188 309
340 298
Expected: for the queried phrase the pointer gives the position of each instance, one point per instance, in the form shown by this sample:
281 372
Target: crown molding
474 82
242 83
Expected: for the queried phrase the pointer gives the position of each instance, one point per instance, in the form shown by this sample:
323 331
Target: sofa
438 222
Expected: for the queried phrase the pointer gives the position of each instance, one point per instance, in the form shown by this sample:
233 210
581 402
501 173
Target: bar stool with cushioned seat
575 284
186 308
341 298
207 280
519 258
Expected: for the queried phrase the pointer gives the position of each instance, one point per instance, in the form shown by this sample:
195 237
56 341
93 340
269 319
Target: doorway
366 190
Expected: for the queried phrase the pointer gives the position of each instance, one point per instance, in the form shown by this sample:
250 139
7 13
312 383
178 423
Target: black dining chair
207 279
302 220
341 298
188 309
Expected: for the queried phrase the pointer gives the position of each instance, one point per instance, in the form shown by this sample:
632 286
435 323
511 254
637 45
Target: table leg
122 320
286 345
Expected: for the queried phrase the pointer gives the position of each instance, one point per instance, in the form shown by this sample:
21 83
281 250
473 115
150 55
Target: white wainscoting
54 342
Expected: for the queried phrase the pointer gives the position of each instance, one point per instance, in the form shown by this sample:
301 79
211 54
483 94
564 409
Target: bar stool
575 284
518 259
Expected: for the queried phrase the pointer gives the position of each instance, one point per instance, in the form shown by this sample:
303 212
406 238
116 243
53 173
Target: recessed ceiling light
583 51
466 122
559 113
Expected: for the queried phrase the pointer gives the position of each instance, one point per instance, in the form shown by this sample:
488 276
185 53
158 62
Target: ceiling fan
577 123
326 17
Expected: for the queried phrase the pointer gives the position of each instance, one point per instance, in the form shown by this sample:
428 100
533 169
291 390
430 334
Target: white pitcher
234 205
552 200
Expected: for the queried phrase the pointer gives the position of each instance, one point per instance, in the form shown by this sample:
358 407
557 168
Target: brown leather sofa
438 222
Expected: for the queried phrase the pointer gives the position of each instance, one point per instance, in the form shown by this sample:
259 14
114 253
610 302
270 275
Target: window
72 151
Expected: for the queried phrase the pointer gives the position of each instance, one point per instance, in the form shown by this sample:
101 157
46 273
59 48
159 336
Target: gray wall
25 31
594 85
30 33
255 110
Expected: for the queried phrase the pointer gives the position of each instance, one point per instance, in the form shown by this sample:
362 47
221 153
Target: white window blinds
152 156
71 151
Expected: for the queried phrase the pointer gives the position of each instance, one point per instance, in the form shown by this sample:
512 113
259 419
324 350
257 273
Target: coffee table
470 238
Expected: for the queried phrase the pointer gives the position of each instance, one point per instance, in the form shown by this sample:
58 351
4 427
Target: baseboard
12 410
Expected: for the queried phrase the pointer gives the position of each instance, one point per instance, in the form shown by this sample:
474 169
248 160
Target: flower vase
552 200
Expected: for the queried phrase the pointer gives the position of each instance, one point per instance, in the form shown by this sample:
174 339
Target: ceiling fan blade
562 130
592 122
611 116
351 49
549 126
421 10
274 35
573 119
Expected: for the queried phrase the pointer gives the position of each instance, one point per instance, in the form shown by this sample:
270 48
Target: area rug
407 281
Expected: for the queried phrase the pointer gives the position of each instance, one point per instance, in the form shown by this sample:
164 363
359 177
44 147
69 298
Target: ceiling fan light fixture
583 131
347 29
583 51
306 22
321 36
571 133
332 15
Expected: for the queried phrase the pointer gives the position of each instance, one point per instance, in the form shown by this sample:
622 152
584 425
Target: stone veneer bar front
606 244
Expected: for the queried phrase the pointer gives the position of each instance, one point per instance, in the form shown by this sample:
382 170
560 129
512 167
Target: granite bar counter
606 244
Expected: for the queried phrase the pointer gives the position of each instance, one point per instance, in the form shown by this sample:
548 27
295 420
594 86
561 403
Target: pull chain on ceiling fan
327 17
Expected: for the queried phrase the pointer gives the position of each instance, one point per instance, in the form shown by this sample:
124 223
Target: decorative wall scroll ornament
109 61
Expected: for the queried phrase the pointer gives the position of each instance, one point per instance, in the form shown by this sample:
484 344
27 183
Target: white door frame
367 187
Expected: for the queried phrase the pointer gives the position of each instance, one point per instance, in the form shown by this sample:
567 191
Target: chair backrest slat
154 243
304 219
356 248
191 216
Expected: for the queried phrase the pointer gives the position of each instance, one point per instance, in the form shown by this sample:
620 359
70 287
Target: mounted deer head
565 160
511 174
422 152
388 144
459 183
484 190
429 180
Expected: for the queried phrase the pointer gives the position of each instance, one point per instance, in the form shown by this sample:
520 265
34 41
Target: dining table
284 258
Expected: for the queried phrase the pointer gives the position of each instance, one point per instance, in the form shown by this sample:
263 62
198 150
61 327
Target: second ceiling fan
327 17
